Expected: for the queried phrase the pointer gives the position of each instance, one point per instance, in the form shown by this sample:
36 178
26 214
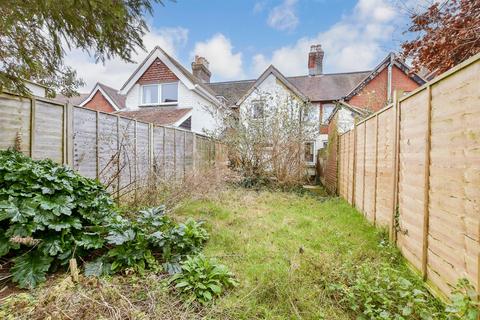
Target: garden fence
414 167
121 152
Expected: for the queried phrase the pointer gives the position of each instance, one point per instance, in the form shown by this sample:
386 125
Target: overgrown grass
285 248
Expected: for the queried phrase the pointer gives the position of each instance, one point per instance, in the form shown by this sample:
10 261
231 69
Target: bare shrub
266 139
173 193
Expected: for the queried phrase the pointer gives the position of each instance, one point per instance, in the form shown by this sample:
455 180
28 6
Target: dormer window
160 94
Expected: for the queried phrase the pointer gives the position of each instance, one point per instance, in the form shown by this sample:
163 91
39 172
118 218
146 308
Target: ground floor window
309 151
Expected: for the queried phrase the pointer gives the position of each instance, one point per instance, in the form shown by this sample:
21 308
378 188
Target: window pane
150 94
170 92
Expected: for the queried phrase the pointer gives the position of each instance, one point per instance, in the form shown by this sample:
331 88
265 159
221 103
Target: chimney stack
200 69
315 60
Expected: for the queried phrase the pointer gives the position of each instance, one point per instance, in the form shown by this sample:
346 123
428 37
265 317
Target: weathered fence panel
370 169
385 167
120 152
360 167
417 171
454 184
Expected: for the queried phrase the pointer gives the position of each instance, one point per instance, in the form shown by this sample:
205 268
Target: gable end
157 72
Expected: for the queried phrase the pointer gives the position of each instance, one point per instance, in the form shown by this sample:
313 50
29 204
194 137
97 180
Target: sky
241 38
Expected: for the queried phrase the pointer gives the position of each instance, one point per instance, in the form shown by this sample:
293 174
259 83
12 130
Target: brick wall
99 103
158 72
374 95
400 81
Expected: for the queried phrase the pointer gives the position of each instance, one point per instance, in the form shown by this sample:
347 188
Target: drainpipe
389 79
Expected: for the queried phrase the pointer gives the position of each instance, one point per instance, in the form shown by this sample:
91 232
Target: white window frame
159 88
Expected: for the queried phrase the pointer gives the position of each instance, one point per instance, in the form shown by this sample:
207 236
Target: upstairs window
258 109
157 94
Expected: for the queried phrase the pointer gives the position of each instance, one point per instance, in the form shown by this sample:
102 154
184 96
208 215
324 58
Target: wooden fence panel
128 163
158 151
360 167
370 147
48 131
411 183
85 141
15 123
180 154
385 170
351 159
189 151
108 145
454 197
342 166
169 153
143 149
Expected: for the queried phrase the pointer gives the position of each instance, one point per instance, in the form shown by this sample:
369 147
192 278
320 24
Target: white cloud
259 6
115 72
284 16
224 63
352 44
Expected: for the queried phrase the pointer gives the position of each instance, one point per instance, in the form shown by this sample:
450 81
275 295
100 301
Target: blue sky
241 38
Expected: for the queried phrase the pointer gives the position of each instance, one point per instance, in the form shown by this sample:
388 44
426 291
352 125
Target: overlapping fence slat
121 152
417 172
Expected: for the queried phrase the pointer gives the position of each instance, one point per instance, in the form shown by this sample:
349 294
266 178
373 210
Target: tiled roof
232 91
75 100
158 115
325 87
118 99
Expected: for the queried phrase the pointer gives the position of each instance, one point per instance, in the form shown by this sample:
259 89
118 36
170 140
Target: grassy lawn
281 246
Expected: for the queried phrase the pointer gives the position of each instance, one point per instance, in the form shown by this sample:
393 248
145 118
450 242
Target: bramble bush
50 214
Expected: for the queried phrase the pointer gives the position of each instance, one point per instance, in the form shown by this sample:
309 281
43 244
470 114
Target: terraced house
164 92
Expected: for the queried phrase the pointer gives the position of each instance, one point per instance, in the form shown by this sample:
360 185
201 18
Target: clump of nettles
50 214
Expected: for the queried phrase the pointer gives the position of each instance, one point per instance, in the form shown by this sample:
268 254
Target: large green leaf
30 269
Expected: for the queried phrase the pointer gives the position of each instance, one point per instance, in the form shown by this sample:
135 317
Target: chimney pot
200 69
315 60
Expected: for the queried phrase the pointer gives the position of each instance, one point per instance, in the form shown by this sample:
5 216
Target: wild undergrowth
299 256
51 217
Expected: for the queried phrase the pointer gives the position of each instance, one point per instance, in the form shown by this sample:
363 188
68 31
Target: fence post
354 162
97 146
184 154
175 154
426 193
164 157
33 107
376 172
118 159
396 165
348 166
364 161
64 133
135 163
194 151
